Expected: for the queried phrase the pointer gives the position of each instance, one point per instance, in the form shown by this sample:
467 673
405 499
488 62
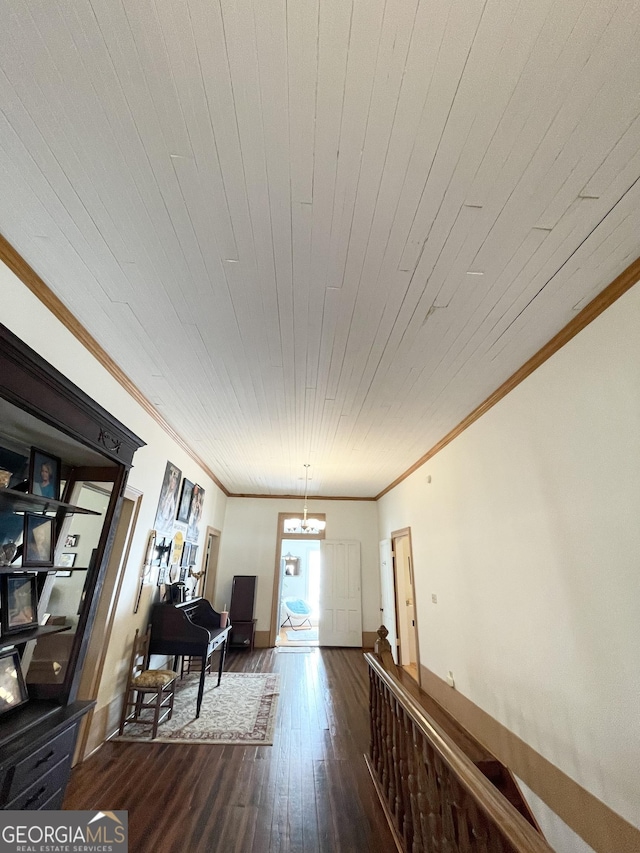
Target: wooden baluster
374 711
417 843
406 765
384 721
397 804
391 778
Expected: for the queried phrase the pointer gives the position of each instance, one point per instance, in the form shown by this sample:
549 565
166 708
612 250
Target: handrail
516 833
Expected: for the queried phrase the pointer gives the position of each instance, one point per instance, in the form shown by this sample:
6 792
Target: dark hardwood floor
308 792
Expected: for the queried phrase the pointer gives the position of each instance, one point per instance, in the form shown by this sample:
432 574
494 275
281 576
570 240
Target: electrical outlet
434 598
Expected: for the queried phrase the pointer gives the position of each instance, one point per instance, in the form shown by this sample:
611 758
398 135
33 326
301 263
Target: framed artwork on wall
168 501
184 504
186 553
195 513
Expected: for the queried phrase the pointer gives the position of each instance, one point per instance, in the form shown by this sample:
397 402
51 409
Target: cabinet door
243 596
68 596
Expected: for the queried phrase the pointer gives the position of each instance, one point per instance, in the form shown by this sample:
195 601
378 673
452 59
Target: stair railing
436 800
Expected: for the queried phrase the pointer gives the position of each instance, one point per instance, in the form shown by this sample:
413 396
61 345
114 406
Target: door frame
105 614
400 534
277 574
210 564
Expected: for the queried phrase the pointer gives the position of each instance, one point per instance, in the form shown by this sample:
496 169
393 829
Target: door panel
340 594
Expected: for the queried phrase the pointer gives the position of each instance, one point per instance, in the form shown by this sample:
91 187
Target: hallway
308 792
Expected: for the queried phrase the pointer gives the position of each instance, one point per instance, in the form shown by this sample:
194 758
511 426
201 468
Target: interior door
340 594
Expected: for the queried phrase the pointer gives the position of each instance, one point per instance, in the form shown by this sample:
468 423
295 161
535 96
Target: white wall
28 318
248 547
529 533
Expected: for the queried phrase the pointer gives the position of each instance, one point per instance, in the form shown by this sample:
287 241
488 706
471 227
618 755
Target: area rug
306 634
242 710
305 649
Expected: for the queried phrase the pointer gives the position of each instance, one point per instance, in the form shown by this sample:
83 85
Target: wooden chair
147 689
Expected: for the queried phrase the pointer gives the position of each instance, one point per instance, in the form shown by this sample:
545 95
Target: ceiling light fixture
304 524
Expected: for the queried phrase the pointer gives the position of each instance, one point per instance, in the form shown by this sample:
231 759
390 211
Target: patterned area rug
242 710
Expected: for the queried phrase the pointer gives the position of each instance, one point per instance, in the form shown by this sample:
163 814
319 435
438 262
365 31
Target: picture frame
13 690
193 555
19 608
195 513
44 474
67 560
184 504
162 575
183 574
11 533
38 540
186 553
72 540
168 500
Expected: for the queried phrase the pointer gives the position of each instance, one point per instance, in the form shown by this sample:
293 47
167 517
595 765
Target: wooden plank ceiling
320 230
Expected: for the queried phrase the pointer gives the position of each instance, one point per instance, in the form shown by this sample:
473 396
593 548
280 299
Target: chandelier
304 524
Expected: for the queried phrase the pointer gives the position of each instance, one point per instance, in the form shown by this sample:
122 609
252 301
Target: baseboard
261 640
368 639
594 821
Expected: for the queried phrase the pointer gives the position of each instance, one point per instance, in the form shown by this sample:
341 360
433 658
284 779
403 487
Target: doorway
406 616
290 536
299 593
206 579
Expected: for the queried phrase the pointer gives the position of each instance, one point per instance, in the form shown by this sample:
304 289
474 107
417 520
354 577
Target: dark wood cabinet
243 600
39 407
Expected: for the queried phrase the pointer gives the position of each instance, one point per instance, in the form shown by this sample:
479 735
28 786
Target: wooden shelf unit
39 407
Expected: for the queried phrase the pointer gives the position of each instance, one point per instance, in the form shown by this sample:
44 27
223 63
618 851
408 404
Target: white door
340 594
388 603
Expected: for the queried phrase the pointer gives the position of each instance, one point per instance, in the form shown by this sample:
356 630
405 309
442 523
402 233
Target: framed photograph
68 560
162 575
183 574
72 541
13 691
11 533
44 474
184 504
186 553
193 556
195 513
19 610
168 502
38 541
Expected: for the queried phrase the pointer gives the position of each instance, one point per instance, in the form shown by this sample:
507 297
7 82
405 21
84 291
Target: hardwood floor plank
309 792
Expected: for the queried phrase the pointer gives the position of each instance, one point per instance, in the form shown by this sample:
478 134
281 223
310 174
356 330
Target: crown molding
600 303
30 278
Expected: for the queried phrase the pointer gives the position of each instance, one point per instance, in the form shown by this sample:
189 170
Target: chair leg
173 696
156 714
123 716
